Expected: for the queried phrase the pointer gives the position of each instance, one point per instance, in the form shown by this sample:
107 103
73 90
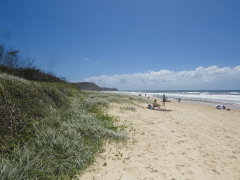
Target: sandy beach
193 141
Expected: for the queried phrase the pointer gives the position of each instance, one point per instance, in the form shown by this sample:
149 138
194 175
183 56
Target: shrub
60 129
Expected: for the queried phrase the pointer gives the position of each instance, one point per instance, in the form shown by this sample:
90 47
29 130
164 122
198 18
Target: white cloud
211 77
89 61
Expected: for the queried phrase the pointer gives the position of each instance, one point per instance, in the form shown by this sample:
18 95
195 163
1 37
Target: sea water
230 97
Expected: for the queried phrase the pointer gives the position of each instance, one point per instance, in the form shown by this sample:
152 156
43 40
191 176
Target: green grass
22 102
53 130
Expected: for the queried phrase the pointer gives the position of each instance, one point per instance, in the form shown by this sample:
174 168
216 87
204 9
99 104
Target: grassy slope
52 130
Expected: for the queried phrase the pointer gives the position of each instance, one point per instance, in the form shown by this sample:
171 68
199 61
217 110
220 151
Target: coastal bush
128 108
21 101
120 98
50 130
11 62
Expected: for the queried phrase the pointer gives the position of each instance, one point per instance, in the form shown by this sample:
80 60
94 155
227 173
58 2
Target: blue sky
129 44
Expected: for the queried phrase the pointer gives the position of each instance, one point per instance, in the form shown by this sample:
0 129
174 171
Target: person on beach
158 108
155 104
163 99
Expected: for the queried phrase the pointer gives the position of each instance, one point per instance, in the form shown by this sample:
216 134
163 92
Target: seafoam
230 97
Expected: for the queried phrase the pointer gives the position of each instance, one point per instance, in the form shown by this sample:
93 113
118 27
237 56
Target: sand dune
191 142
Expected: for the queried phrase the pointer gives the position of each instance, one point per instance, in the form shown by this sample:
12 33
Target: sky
129 44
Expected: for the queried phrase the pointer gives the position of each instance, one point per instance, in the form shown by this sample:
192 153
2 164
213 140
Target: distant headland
93 87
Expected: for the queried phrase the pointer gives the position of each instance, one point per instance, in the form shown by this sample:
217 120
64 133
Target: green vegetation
93 87
50 129
53 130
11 62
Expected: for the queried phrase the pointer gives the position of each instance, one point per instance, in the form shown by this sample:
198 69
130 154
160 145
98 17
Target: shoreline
153 96
210 103
228 105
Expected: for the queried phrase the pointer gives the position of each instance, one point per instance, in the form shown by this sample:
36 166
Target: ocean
225 97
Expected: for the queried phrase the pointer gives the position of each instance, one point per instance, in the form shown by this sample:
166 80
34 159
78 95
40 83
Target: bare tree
1 53
12 59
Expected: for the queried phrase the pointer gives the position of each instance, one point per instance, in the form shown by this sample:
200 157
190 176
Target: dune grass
53 130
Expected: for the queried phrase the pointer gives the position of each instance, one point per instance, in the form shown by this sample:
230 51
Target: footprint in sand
236 152
206 155
188 150
179 142
232 157
179 167
208 165
189 172
215 171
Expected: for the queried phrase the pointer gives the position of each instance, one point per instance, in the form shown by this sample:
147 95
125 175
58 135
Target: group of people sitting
156 106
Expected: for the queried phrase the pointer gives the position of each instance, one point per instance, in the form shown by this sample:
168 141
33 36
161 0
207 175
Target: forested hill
93 87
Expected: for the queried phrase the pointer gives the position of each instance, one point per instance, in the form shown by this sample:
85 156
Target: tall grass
119 98
66 128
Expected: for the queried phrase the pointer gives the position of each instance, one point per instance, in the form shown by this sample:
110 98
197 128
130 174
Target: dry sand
191 142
